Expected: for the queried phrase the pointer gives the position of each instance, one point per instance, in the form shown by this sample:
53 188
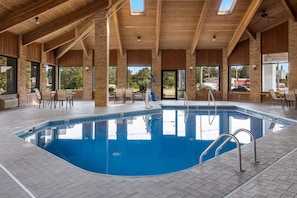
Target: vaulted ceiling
167 24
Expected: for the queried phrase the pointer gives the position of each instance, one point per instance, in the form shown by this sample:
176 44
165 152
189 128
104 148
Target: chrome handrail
210 96
218 139
236 132
186 102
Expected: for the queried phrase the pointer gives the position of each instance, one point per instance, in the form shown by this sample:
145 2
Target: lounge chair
129 95
119 93
290 98
276 98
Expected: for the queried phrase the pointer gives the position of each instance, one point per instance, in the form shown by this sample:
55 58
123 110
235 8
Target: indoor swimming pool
149 142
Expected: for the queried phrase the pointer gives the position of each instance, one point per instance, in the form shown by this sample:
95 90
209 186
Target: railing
210 97
236 132
186 102
230 136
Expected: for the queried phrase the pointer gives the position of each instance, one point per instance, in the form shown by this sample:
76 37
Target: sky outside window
137 7
226 7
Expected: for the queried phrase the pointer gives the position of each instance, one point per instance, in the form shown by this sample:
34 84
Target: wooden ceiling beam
250 32
31 10
66 20
117 30
82 33
84 47
158 24
252 9
59 41
288 7
199 28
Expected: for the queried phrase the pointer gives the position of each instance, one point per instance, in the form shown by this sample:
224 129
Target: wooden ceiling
167 24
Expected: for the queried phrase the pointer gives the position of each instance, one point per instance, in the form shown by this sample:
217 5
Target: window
139 77
50 77
239 78
8 73
112 74
275 70
226 7
32 75
70 77
208 78
137 7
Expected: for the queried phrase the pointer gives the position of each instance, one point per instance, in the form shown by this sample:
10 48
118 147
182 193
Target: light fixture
37 20
214 38
138 38
191 68
87 68
254 66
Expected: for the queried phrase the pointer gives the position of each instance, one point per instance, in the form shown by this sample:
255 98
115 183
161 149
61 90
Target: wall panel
139 57
173 59
9 44
240 54
275 40
51 58
72 58
34 52
209 57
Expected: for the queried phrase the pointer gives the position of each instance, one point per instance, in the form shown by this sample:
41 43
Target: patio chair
119 93
276 98
129 95
46 97
290 98
61 96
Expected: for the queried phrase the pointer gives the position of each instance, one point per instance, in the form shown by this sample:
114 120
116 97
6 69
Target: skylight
226 7
137 7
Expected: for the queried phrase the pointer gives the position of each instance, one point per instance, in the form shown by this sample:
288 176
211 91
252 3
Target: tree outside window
32 76
70 77
139 77
8 75
239 78
207 78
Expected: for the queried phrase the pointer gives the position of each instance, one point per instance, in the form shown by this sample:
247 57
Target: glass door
173 84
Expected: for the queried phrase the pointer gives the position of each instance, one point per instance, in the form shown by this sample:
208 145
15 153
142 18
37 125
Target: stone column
292 56
101 61
21 84
156 71
255 74
190 75
43 63
224 75
122 69
87 75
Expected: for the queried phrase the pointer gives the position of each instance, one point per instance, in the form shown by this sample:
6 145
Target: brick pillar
21 85
224 75
43 63
191 75
255 74
292 55
122 70
87 75
156 71
101 59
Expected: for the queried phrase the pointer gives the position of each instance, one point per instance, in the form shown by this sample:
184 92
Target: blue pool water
147 143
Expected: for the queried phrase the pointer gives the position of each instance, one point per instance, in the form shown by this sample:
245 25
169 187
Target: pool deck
28 171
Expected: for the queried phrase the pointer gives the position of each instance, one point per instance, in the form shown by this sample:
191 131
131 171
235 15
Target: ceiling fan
264 16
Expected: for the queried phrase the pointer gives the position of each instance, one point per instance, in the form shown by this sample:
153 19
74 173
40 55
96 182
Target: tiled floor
27 171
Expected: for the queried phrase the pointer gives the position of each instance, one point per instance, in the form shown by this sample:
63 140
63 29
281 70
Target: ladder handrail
234 133
213 144
210 96
186 103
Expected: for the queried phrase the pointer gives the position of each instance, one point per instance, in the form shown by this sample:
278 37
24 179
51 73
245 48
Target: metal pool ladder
231 136
186 102
210 96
